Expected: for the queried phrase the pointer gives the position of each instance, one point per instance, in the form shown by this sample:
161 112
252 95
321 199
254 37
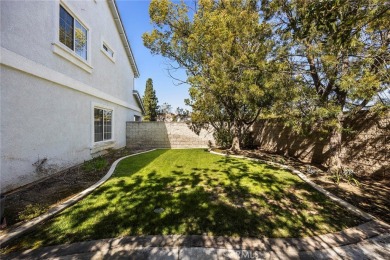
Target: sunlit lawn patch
200 193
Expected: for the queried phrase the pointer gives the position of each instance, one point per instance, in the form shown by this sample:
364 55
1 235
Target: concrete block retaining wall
141 135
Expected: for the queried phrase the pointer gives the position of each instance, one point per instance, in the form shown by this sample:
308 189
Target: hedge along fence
365 146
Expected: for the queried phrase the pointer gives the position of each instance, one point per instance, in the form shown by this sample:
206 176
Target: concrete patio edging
331 196
20 230
328 246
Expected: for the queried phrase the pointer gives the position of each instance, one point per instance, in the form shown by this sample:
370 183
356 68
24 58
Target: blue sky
135 18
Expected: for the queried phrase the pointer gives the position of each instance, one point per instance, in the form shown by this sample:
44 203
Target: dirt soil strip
13 233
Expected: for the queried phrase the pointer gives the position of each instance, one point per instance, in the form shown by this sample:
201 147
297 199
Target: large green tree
335 56
224 47
150 101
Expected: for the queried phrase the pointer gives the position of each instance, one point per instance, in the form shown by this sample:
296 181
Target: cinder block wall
366 144
141 135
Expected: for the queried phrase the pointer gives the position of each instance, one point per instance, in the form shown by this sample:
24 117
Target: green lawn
200 193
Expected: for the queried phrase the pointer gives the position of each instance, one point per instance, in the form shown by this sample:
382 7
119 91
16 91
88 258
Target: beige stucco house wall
49 93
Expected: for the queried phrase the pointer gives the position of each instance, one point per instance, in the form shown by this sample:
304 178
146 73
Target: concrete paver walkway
367 241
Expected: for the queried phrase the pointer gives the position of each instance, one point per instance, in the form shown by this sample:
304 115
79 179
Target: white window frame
103 143
64 51
113 57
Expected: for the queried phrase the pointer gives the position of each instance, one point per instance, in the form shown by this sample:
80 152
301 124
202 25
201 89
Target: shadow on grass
229 198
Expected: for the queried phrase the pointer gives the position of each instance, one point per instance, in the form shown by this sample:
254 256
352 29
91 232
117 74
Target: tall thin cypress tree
150 101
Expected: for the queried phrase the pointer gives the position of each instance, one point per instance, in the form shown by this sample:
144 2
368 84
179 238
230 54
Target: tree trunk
236 140
335 164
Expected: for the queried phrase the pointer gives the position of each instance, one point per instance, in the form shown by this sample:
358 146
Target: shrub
345 174
96 164
32 211
223 138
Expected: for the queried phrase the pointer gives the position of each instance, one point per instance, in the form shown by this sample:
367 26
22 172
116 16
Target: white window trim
105 144
64 51
113 59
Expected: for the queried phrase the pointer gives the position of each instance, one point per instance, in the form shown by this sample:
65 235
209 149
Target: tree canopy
223 46
337 52
335 57
150 101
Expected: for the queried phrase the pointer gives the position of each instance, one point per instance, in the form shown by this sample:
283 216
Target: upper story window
108 50
73 34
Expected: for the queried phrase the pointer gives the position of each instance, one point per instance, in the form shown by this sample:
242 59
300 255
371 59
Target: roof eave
139 100
123 36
